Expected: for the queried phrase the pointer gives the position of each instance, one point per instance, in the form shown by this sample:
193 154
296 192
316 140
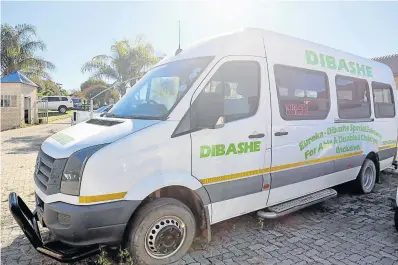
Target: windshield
102 109
156 94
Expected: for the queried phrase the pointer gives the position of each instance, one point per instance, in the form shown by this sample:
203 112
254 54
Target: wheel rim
165 237
368 178
63 110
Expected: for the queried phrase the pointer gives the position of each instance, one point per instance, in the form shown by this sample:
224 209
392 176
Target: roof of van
250 41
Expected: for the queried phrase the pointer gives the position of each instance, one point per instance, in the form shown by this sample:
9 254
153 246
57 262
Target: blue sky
75 31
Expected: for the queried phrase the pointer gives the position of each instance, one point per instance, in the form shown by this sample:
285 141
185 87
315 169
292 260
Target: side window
383 100
52 99
64 99
353 97
235 87
303 94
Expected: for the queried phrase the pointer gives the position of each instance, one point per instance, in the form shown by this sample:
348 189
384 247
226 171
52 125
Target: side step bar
296 204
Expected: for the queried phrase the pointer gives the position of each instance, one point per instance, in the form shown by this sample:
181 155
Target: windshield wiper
143 117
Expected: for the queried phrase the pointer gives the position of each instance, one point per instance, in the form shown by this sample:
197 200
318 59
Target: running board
296 204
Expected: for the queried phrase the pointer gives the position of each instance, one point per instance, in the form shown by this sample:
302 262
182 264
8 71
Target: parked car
60 103
80 116
77 103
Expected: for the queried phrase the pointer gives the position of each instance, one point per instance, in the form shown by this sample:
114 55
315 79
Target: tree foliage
93 87
18 52
126 61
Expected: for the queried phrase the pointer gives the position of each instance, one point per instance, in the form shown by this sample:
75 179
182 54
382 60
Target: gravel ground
349 229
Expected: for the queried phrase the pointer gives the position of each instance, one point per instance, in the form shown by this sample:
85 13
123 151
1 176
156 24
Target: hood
93 132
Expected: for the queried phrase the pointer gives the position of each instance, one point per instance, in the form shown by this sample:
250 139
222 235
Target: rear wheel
162 232
62 109
366 179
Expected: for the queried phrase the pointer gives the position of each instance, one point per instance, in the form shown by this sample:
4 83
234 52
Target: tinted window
64 99
51 99
237 86
352 97
383 100
303 94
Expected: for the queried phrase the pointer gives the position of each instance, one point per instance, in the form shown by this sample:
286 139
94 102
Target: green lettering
257 146
342 65
331 62
361 69
241 148
220 150
322 59
231 149
205 151
369 71
312 57
352 67
320 147
213 150
248 147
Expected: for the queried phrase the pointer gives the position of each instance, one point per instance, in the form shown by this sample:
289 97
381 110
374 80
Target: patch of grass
121 257
55 115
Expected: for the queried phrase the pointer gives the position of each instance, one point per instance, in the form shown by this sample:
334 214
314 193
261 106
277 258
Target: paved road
345 230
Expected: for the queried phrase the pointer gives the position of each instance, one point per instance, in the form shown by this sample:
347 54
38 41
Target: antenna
179 39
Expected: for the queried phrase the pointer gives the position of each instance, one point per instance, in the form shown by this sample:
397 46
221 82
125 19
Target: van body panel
74 138
224 178
276 153
147 154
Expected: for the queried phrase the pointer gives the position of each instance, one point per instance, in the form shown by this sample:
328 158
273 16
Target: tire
366 179
160 218
62 109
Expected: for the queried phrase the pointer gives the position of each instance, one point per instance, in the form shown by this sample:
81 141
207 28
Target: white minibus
248 121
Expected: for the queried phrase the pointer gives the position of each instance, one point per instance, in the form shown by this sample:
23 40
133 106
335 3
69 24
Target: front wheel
162 232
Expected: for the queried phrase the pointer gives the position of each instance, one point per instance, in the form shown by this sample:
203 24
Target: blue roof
17 77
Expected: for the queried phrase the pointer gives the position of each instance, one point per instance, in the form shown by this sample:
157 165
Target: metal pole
113 86
91 108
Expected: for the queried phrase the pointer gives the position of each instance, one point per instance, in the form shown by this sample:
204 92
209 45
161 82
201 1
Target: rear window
383 99
353 97
303 94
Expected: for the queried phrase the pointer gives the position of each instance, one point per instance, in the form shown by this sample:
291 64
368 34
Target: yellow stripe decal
100 198
387 146
276 168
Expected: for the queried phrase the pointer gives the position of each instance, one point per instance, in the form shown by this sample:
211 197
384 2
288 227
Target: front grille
48 173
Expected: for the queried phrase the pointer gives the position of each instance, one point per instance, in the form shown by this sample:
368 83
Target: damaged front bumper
57 250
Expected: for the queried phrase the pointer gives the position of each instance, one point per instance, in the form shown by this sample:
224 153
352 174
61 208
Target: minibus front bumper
28 222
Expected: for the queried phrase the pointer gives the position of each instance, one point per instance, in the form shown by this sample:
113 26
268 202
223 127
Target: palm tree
127 60
18 52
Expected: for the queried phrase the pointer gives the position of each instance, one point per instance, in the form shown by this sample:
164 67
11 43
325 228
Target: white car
80 116
60 103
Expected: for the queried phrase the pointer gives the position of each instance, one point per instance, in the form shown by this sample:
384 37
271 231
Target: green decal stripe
62 138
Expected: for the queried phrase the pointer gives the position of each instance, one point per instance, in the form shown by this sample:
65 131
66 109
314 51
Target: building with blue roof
18 101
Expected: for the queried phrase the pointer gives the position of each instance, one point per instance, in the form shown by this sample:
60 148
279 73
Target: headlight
72 175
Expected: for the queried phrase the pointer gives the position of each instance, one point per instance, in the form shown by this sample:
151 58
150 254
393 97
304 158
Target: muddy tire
366 179
162 232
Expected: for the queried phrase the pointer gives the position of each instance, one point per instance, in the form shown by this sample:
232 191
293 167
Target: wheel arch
196 200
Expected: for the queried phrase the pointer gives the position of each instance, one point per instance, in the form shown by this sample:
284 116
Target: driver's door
232 162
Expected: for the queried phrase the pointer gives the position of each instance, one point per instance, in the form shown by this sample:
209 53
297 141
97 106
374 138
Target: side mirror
103 114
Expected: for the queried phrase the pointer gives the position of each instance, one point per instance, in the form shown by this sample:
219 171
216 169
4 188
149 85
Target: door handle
281 133
260 135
